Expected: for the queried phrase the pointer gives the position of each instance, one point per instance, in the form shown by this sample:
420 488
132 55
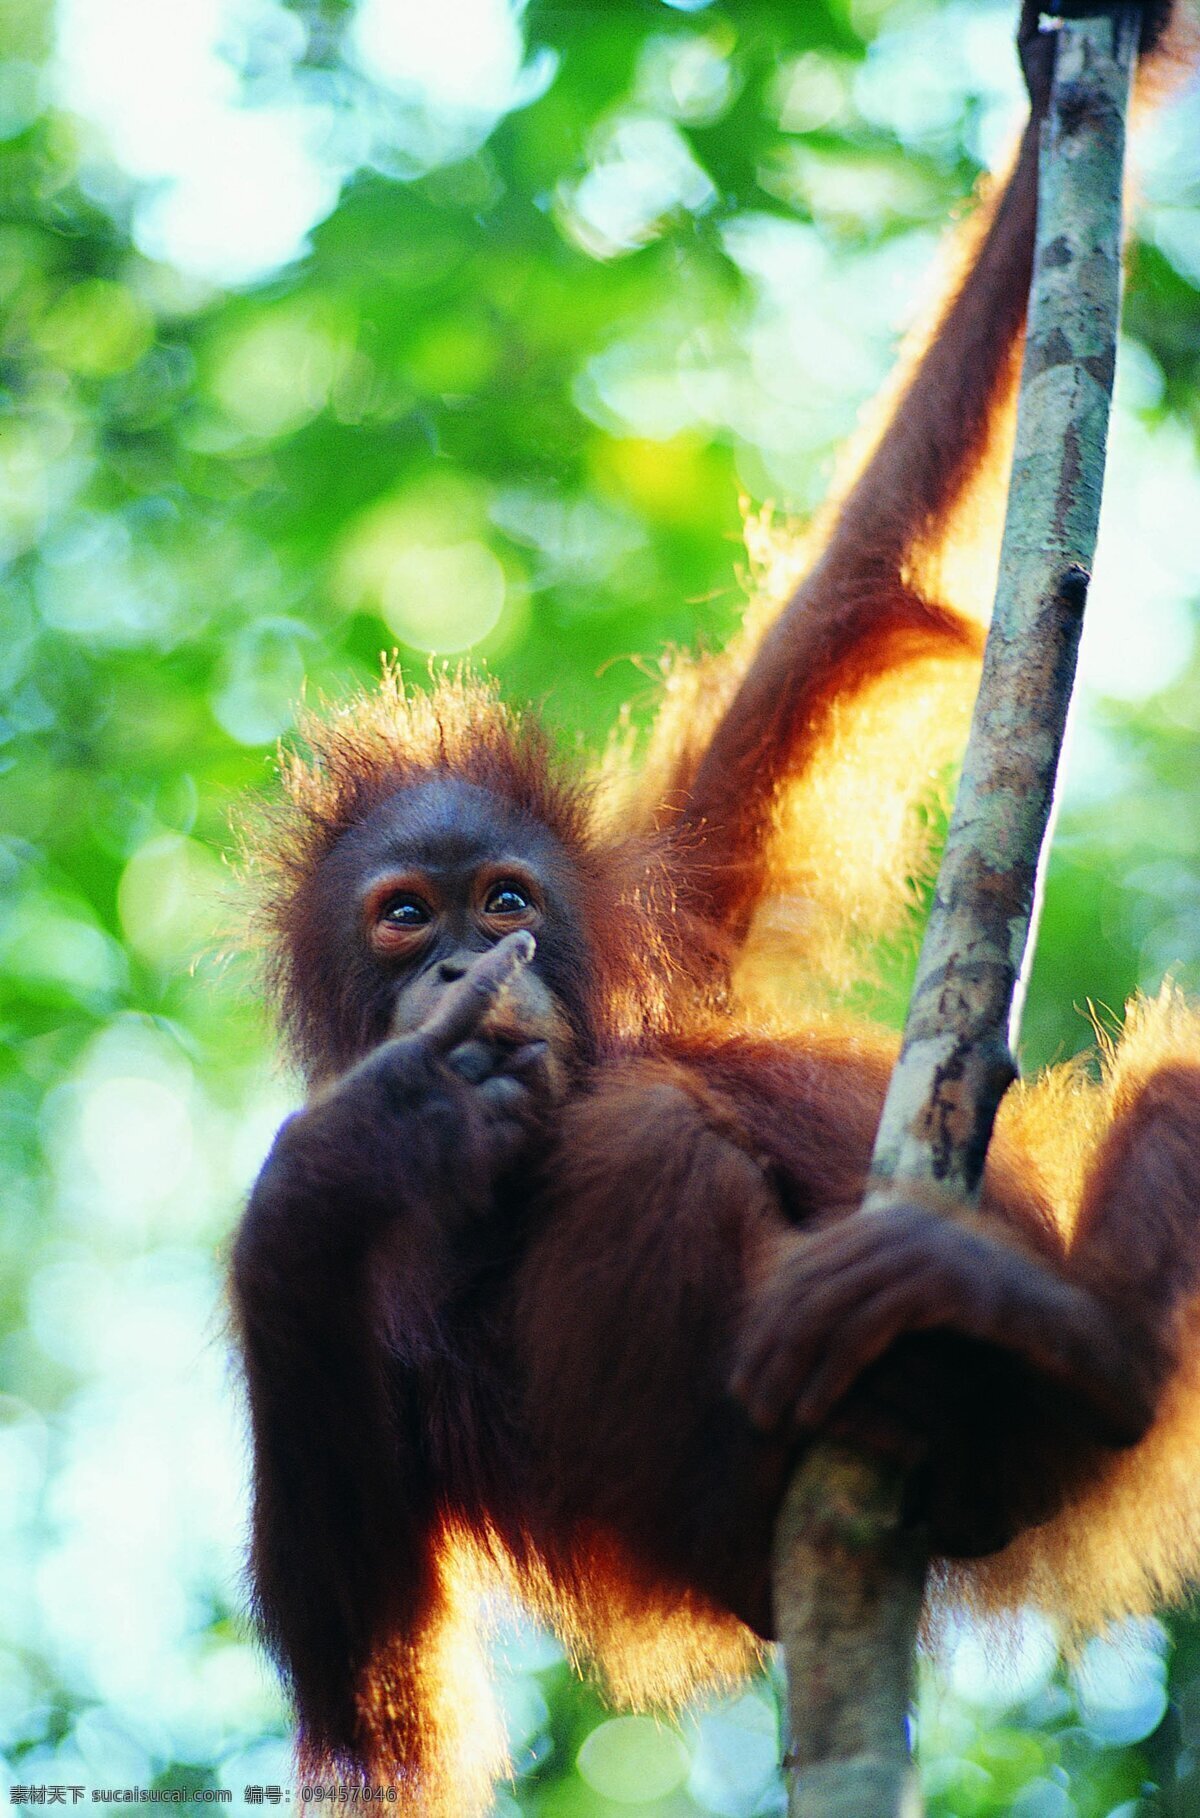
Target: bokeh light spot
444 599
96 328
1002 1666
633 1760
642 173
262 681
277 374
1120 1683
168 899
137 1136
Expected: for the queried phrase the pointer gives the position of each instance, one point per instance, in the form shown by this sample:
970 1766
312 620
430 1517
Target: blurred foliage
500 392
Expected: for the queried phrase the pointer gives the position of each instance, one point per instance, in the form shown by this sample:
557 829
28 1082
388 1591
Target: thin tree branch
848 1577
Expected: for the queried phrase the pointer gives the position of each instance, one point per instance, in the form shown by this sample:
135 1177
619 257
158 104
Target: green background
500 393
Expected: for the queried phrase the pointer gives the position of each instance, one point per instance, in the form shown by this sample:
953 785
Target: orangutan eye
405 912
507 898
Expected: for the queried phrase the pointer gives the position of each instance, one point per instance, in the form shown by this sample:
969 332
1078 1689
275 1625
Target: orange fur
524 1387
1130 1543
376 743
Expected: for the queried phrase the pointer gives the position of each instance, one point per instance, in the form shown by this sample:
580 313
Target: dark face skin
429 881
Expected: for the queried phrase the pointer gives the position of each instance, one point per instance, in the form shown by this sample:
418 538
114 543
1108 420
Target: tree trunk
849 1578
